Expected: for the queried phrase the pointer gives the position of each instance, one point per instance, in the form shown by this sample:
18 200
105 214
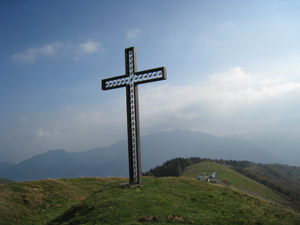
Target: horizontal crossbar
141 77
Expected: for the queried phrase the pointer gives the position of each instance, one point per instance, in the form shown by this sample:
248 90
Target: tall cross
131 80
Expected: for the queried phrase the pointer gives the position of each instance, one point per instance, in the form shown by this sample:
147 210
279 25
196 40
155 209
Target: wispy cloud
234 95
238 87
133 34
68 127
30 55
90 47
222 91
58 49
42 133
86 48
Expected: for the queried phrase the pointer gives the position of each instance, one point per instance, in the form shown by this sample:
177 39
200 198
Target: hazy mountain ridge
284 147
6 165
113 160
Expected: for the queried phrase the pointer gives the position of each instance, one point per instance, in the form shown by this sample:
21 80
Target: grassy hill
36 202
234 179
169 200
283 180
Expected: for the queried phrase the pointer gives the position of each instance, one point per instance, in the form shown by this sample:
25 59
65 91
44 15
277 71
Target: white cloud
236 87
58 49
30 55
234 95
133 34
281 89
89 47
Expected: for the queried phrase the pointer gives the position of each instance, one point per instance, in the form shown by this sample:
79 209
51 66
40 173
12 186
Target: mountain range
156 148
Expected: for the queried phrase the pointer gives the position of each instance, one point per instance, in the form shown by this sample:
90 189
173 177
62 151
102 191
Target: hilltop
169 200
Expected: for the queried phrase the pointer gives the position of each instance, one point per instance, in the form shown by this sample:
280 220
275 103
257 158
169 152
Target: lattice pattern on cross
131 80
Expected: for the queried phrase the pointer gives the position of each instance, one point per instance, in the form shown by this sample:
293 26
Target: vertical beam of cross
131 80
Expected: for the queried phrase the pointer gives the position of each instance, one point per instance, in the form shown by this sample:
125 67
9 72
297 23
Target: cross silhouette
131 80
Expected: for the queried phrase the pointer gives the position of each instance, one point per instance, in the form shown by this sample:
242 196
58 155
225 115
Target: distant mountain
284 147
6 165
4 168
4 180
156 149
61 164
163 146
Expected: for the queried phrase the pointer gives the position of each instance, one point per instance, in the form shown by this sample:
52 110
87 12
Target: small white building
213 175
200 176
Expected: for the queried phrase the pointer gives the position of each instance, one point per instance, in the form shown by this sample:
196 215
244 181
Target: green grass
196 202
93 201
37 202
234 179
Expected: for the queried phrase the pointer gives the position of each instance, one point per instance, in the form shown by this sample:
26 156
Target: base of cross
130 185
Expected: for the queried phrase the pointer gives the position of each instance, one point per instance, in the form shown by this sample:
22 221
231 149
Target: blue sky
233 69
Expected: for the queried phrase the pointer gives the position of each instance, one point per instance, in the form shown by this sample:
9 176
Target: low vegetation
278 178
174 200
36 202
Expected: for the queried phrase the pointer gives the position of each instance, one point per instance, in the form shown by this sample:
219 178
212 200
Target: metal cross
131 80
